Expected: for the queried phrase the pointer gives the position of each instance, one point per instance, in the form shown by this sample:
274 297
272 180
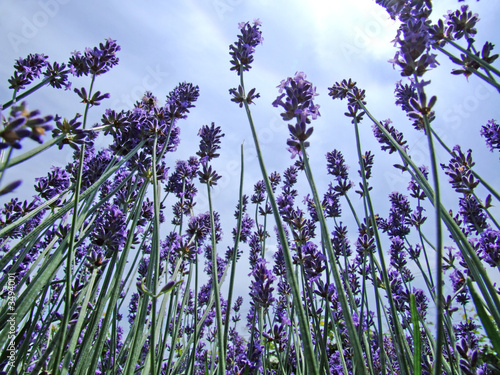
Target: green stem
469 254
346 309
29 154
398 334
26 93
71 246
4 164
485 78
235 254
480 61
311 362
155 256
215 284
439 246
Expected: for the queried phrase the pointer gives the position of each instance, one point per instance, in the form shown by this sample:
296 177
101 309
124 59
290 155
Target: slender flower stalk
311 364
425 109
71 245
235 250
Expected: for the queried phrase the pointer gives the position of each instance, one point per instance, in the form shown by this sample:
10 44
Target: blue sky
164 43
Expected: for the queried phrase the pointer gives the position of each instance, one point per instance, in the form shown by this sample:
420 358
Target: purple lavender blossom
27 70
242 51
58 75
458 282
331 202
489 245
299 105
459 170
261 287
340 242
97 60
208 175
473 214
355 97
384 140
313 260
491 133
180 100
56 181
73 135
336 167
462 22
399 216
23 123
110 229
415 188
404 93
259 192
247 224
398 259
413 39
210 141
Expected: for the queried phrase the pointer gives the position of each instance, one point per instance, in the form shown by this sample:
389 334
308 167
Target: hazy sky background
164 43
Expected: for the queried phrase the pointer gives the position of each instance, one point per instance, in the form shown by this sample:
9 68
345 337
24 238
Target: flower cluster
413 40
242 51
95 61
299 104
355 98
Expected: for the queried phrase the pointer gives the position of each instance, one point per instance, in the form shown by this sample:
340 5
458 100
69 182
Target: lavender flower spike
242 51
297 102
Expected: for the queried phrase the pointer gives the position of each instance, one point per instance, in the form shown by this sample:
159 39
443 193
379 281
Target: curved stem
16 98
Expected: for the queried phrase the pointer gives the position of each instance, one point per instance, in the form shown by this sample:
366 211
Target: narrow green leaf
489 326
417 355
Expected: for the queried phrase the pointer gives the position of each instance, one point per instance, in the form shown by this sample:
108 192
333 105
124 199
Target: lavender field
138 238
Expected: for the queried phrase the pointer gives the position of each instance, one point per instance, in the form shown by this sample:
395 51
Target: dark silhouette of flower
56 181
210 141
462 22
384 140
27 69
208 175
355 97
95 61
23 123
58 75
73 135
